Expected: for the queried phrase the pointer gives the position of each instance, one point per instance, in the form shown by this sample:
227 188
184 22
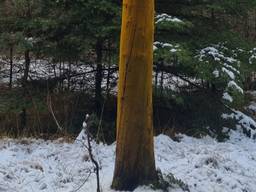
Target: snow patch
167 18
232 84
203 164
227 97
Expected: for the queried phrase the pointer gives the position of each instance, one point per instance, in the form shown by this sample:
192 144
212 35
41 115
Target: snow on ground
56 166
244 122
252 106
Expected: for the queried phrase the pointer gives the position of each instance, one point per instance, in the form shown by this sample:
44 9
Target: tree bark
156 78
23 114
162 83
11 67
68 74
26 69
108 71
135 164
98 78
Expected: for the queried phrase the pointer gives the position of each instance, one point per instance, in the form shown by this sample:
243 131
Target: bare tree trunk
109 65
11 67
60 74
161 65
156 78
26 68
135 163
162 83
68 75
98 78
23 114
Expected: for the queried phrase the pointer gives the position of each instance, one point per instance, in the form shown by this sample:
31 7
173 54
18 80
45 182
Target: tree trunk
98 78
161 65
162 83
156 78
11 67
69 74
135 163
108 76
26 69
23 114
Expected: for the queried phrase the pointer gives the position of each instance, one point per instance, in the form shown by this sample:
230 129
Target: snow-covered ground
57 166
43 69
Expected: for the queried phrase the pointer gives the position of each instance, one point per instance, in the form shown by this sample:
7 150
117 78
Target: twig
96 164
89 148
49 102
83 183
